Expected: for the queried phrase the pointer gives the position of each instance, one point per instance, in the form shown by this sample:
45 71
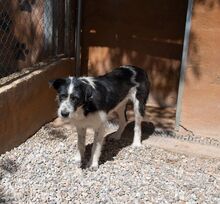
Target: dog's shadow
112 147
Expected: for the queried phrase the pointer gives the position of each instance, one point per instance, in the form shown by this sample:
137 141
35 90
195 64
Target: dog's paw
77 164
136 145
92 167
77 159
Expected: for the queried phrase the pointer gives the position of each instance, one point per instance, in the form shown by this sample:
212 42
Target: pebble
41 170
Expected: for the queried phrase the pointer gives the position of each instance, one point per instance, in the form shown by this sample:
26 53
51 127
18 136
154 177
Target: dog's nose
65 114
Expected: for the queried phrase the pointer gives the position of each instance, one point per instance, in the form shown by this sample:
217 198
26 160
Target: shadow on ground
56 134
6 166
112 147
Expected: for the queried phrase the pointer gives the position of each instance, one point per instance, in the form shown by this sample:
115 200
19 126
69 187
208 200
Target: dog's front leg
96 148
80 145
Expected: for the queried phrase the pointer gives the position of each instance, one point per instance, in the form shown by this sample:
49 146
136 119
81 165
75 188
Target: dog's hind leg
80 145
122 124
137 125
139 101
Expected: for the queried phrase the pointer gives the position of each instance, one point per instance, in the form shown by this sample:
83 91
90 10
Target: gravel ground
41 170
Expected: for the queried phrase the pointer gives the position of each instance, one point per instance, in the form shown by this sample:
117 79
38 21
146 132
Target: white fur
133 77
66 104
93 120
138 120
71 86
81 145
89 80
122 122
138 117
98 121
97 147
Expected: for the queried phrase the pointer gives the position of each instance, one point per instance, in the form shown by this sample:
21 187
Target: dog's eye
74 98
63 96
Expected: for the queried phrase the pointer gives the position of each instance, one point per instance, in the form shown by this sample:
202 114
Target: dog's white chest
92 120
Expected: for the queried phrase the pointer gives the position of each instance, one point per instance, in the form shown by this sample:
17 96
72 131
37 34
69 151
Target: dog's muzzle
65 109
64 114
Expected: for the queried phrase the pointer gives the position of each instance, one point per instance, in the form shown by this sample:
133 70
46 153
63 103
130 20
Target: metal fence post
78 39
184 63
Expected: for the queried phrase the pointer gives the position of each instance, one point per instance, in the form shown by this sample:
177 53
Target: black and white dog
86 102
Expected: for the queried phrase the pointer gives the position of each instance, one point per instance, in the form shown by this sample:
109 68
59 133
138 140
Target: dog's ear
88 93
57 83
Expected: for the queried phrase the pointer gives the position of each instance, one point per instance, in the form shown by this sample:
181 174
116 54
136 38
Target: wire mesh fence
34 30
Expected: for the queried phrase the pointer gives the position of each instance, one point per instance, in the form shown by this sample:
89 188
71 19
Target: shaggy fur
88 101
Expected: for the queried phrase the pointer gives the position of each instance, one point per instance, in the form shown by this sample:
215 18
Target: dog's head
73 93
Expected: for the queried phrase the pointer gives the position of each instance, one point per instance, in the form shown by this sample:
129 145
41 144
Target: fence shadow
148 34
208 3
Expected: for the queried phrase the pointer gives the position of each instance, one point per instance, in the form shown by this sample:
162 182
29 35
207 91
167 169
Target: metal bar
67 24
78 39
55 30
71 27
48 27
184 63
61 26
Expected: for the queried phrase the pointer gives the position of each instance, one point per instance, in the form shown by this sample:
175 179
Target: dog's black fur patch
89 101
110 89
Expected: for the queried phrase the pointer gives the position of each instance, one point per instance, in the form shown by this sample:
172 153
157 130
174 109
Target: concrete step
175 145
